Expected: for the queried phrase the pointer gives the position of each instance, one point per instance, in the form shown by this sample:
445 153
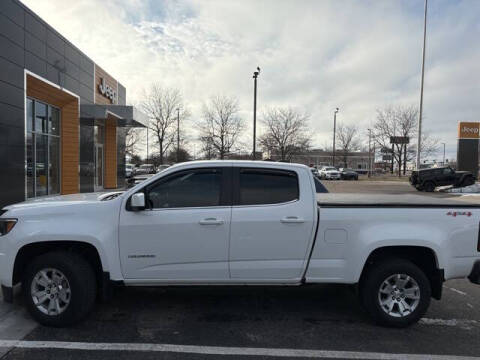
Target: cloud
314 55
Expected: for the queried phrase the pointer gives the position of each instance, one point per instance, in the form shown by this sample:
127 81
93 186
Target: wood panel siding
70 148
69 135
110 178
109 80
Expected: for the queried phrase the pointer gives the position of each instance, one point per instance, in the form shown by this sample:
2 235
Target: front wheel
429 186
59 288
395 293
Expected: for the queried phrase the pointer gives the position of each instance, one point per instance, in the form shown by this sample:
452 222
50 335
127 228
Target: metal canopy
125 115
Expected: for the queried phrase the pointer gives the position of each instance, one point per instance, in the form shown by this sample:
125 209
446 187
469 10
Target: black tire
82 282
374 278
468 181
429 186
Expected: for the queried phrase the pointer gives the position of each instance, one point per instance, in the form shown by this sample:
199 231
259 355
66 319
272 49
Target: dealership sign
469 130
107 91
399 140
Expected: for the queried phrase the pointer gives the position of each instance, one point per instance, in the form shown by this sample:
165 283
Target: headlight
6 225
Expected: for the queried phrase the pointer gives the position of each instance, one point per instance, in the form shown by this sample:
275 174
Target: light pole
178 135
334 134
255 75
443 154
369 152
421 88
147 145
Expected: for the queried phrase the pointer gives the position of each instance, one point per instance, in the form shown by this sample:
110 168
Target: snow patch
471 189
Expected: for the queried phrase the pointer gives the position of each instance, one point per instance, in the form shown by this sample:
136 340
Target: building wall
27 42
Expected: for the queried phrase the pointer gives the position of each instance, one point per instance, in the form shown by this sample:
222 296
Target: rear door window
266 186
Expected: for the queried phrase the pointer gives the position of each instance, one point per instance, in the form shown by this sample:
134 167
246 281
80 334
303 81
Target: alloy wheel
50 291
399 295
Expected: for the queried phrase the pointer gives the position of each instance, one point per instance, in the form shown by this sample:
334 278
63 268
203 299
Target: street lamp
369 152
334 133
147 145
421 88
255 75
443 154
178 135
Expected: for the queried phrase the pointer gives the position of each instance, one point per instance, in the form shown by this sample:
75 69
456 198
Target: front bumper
332 177
474 276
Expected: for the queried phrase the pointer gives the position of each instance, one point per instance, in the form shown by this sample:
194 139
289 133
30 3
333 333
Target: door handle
211 221
292 220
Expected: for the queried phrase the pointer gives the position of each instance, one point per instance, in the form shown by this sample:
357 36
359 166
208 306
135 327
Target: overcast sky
314 55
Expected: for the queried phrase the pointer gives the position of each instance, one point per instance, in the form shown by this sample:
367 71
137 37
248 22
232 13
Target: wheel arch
422 256
87 250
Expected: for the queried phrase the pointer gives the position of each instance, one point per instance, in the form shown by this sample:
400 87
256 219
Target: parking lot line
217 350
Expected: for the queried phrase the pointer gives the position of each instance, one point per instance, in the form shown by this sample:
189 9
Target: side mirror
137 201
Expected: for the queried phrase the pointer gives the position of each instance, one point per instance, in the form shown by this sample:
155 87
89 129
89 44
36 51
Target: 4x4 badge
459 213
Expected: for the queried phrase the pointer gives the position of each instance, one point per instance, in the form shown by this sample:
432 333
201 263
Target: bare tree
286 133
220 126
160 105
428 147
397 121
133 140
347 140
401 121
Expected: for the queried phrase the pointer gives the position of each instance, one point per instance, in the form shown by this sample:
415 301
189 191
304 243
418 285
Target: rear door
272 223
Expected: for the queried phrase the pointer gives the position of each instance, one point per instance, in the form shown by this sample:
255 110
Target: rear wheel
395 293
59 288
429 186
468 181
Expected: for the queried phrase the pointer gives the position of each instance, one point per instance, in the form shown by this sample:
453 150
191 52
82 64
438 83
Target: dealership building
63 118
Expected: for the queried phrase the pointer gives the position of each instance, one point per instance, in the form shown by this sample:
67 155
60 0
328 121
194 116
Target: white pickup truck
236 223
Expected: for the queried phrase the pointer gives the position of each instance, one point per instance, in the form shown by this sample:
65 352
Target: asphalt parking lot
322 321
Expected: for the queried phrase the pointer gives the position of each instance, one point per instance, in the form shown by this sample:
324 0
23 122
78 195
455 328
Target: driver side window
189 188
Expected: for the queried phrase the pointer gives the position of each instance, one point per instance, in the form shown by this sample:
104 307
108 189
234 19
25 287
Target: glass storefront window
54 166
29 115
30 163
41 164
54 121
40 117
43 149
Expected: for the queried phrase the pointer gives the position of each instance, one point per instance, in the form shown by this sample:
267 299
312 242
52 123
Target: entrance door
98 167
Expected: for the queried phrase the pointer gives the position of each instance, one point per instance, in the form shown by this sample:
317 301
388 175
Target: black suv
429 179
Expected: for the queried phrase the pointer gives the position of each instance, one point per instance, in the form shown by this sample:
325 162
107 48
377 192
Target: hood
64 200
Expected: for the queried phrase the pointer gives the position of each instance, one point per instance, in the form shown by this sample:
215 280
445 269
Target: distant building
319 158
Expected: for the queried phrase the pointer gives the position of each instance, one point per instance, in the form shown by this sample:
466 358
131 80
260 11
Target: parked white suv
330 173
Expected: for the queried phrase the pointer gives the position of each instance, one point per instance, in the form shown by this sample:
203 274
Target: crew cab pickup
236 223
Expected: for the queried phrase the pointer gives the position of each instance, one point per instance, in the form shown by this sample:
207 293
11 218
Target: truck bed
397 201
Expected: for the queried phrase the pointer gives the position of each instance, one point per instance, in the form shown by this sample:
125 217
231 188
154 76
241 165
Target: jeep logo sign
469 130
107 91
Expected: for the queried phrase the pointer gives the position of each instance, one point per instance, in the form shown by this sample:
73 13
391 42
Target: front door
272 224
183 234
98 167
